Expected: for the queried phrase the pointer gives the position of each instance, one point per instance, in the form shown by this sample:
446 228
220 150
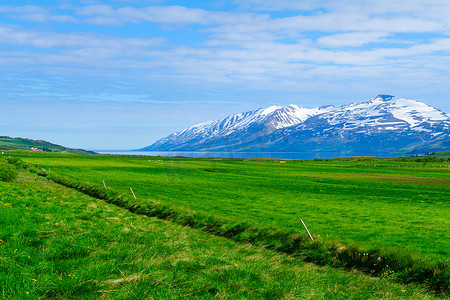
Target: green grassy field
56 242
374 203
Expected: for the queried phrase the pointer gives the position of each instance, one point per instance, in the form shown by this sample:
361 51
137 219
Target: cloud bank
246 52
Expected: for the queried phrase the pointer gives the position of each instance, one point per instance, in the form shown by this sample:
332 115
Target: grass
359 205
56 242
7 172
401 205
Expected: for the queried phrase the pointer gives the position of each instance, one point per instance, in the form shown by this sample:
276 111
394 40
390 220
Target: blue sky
122 74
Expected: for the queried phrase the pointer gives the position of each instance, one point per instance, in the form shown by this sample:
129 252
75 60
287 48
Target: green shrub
7 172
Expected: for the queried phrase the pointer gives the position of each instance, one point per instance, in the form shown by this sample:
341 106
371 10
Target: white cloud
275 5
241 47
419 7
353 39
164 15
94 10
252 57
357 15
34 14
27 9
38 39
103 21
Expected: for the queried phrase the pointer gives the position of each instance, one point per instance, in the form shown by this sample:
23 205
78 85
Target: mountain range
381 126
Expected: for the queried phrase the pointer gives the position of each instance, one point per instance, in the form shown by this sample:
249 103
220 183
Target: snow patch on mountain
386 112
292 115
270 110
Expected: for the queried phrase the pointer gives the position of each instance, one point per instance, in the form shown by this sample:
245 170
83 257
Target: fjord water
244 155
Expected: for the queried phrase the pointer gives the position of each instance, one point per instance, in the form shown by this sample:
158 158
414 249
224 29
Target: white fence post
307 230
132 193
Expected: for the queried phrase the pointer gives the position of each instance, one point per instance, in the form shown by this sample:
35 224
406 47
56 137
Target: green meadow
373 203
377 206
56 242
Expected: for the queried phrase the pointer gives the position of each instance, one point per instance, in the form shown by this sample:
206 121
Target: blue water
246 155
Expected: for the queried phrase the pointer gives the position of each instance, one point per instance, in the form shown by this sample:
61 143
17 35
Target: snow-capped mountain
248 125
386 112
384 125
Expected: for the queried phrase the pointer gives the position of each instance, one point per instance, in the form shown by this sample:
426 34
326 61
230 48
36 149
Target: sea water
211 154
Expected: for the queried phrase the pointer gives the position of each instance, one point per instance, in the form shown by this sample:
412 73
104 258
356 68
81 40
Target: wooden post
132 193
307 230
104 184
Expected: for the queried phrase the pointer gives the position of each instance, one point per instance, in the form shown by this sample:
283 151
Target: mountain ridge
384 125
9 143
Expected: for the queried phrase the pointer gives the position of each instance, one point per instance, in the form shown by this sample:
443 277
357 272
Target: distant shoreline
244 155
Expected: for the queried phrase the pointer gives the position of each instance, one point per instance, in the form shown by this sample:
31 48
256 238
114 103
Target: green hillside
8 143
430 156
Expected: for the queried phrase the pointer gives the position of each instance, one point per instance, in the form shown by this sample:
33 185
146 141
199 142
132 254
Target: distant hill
382 126
9 143
433 155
